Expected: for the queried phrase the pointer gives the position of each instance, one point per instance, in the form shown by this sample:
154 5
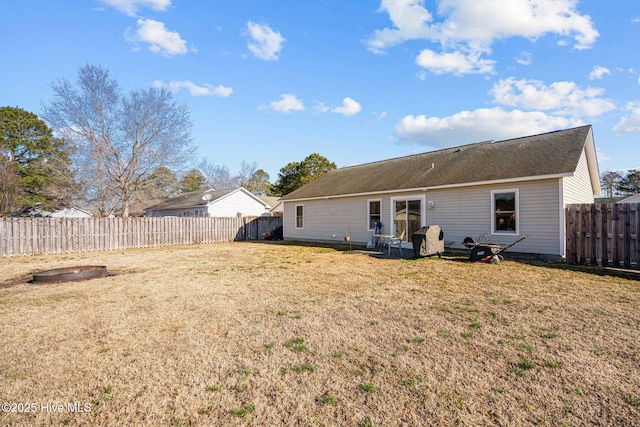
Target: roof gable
200 199
550 154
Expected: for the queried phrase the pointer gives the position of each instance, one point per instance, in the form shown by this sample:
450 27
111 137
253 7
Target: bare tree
610 180
218 177
119 139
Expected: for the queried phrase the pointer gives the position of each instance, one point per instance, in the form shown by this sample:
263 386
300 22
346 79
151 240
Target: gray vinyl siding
460 212
327 220
466 212
577 188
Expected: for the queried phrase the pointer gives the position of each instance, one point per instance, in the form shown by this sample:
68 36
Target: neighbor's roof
270 200
190 200
550 154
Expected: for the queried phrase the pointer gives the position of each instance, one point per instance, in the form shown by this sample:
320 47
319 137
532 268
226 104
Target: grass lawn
285 334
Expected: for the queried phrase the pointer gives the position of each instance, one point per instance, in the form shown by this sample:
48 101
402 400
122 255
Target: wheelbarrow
487 252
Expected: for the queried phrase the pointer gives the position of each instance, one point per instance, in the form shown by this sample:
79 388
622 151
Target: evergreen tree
35 166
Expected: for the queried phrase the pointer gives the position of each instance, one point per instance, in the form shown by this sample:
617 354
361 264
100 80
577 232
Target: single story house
277 208
72 212
631 199
212 203
499 189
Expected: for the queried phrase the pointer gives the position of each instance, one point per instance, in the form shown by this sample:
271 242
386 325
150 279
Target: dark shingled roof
552 153
189 200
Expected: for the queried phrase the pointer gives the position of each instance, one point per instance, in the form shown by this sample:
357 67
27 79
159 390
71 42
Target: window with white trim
299 216
504 207
374 212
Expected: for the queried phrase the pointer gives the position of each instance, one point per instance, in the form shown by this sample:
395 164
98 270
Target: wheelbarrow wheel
496 259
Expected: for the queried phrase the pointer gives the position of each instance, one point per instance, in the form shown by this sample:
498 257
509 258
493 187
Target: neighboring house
504 190
275 203
632 199
220 203
72 212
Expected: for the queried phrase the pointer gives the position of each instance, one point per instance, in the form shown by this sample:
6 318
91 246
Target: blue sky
356 81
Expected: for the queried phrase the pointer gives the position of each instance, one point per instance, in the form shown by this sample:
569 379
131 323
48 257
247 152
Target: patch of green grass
213 388
269 347
243 411
597 351
367 388
418 340
408 382
492 314
327 399
307 367
465 334
632 400
296 344
366 423
338 355
475 324
104 396
522 367
554 365
577 392
103 350
526 347
442 333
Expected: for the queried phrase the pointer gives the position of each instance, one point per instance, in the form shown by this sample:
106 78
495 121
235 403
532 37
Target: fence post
626 236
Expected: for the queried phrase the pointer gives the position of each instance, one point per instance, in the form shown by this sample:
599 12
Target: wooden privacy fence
604 234
36 236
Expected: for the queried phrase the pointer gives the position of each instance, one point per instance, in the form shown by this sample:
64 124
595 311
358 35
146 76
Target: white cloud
478 125
195 90
159 39
411 21
637 20
631 122
484 21
321 107
349 107
130 7
561 98
525 58
456 63
602 157
470 27
265 43
288 102
598 72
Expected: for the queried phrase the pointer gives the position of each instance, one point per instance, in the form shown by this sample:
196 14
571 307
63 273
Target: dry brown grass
283 334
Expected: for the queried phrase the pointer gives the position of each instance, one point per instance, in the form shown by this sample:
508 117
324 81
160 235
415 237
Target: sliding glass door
408 216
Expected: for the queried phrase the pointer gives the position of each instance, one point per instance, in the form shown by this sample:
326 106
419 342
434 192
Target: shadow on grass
595 270
381 253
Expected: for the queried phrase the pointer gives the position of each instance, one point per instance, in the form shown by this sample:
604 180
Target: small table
382 238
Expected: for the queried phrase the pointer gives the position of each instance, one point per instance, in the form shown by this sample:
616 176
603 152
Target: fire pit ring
68 274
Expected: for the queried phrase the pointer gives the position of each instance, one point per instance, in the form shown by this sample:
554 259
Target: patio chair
396 241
